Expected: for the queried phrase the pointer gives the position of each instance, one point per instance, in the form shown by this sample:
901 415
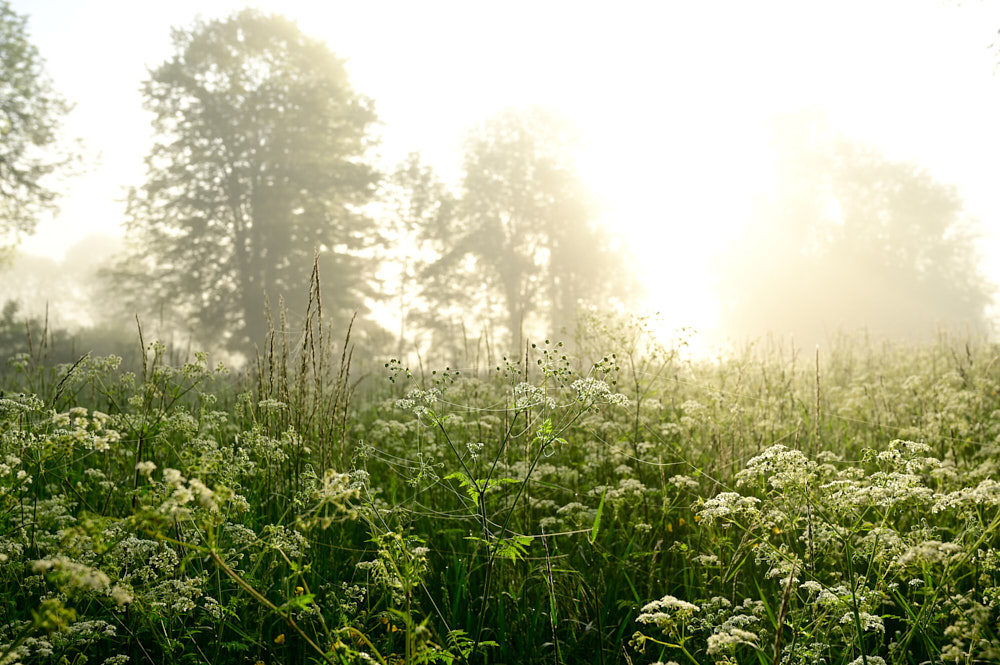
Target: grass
614 504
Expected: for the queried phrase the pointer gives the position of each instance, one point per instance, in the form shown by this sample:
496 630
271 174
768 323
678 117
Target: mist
746 194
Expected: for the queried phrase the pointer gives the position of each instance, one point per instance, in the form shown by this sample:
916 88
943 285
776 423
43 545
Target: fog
462 177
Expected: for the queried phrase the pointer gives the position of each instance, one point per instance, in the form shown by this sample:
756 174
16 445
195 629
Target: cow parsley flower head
869 622
72 576
666 612
594 391
527 396
727 505
872 660
781 466
727 639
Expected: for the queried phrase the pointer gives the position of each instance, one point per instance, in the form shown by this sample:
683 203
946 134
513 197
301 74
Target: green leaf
513 548
597 518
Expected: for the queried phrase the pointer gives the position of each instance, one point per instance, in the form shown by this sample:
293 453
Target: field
613 503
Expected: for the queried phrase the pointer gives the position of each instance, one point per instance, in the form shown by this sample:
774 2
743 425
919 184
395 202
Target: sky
673 100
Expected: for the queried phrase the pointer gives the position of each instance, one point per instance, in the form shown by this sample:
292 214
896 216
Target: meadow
605 501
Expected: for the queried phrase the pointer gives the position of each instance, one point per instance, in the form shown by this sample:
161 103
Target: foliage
30 116
416 205
258 167
851 239
757 509
524 247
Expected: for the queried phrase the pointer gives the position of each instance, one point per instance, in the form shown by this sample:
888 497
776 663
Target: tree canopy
31 113
523 246
850 239
258 167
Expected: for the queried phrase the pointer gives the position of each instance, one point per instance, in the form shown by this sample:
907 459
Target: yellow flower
681 522
776 531
697 518
260 662
299 591
670 527
280 639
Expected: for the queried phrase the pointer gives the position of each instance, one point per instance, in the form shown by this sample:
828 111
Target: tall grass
617 503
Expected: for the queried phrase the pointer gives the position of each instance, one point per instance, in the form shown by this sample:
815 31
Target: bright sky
672 98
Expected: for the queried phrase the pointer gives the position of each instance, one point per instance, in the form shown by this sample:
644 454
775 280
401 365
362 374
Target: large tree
850 239
259 165
30 116
524 244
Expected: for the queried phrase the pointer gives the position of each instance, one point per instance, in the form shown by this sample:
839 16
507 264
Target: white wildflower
871 660
727 505
595 391
120 595
172 477
664 612
725 641
869 622
72 576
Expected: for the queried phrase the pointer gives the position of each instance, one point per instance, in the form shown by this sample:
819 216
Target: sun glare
673 102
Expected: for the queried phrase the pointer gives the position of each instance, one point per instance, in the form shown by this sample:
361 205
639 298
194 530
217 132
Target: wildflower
119 659
869 622
280 639
172 477
145 468
527 396
206 497
728 639
72 575
727 505
664 612
871 660
595 391
120 595
783 468
299 591
475 449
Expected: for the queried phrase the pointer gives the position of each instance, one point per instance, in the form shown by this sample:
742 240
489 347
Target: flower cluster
591 391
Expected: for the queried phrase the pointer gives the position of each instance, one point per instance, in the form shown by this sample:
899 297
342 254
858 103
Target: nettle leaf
299 602
478 486
513 548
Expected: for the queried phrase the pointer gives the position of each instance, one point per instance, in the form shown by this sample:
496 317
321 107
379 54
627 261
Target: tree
524 242
30 116
416 203
851 239
258 168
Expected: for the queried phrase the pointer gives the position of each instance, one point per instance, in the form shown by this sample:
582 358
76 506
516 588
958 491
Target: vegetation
614 504
607 499
258 168
30 116
852 240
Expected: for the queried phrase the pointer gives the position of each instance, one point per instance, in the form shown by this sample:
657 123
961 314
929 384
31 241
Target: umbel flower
666 612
